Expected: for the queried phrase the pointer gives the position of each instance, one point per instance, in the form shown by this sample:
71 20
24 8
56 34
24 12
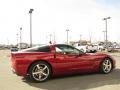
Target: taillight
16 55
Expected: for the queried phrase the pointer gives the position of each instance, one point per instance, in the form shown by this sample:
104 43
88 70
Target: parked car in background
42 62
83 48
22 45
87 48
101 48
91 48
14 48
116 45
110 49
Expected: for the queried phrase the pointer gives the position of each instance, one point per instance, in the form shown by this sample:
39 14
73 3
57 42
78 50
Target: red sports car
43 62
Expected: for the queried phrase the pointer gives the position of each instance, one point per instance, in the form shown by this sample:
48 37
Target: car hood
100 55
96 54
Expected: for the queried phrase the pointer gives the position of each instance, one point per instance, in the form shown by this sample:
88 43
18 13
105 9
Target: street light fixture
106 30
30 12
67 30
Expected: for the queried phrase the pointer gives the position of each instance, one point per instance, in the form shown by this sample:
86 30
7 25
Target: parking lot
10 81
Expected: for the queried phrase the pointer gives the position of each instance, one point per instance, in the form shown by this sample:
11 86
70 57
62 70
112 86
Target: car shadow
78 82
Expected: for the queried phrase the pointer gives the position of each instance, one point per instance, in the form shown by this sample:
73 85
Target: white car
92 48
100 47
88 48
82 48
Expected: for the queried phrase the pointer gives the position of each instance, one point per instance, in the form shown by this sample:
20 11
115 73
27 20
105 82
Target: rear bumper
19 72
20 69
14 72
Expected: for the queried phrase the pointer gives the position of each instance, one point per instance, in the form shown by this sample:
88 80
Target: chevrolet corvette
42 62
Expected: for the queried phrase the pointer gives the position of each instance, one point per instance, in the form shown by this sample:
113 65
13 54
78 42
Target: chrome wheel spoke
38 67
105 67
39 77
107 62
44 68
45 74
109 66
104 64
35 73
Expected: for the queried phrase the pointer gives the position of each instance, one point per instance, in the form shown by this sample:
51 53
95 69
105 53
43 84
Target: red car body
60 63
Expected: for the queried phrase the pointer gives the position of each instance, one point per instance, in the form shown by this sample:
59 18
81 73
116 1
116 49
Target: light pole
54 38
90 37
67 30
50 42
20 38
17 38
106 30
80 37
30 12
7 41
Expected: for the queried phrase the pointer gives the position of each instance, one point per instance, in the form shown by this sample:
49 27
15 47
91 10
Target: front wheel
40 71
106 66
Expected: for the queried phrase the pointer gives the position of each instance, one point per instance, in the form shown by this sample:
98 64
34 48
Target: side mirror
81 53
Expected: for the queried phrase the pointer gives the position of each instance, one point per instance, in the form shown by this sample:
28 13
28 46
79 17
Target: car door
62 65
79 63
69 61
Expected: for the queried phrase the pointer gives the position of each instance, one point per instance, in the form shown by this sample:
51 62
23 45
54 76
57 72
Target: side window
44 49
58 50
67 49
39 49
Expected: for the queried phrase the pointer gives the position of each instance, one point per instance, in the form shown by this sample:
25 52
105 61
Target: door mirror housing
81 53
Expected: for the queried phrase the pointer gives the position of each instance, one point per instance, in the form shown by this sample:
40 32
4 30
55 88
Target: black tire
40 71
106 66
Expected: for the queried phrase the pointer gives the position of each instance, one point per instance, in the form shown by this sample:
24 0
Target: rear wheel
40 71
106 66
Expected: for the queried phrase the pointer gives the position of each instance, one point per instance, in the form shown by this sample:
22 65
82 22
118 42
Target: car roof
61 45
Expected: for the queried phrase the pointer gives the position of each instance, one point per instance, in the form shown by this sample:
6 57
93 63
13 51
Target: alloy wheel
107 66
40 72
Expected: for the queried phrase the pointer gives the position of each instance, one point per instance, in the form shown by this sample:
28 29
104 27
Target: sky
53 17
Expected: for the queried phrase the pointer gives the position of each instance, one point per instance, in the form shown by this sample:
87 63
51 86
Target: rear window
38 49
